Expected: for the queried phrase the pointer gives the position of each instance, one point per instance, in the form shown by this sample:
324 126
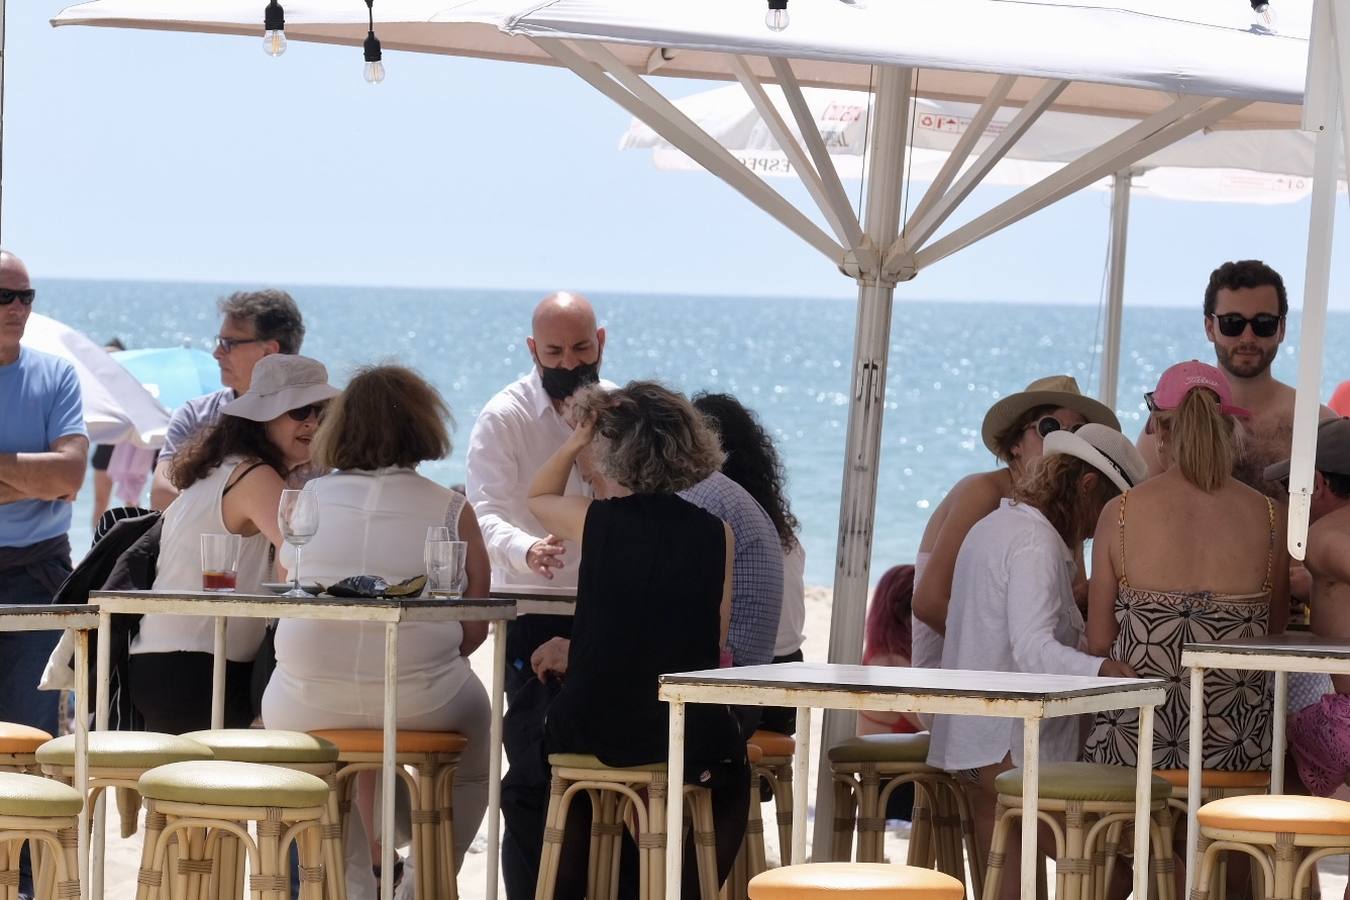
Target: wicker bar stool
616 793
854 881
432 757
299 752
775 769
1284 835
1082 803
18 744
867 770
44 814
191 806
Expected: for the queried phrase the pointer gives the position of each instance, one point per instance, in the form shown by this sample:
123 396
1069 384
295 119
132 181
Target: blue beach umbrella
173 374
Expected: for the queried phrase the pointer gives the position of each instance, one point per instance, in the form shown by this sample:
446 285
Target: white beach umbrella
1251 167
116 407
1176 68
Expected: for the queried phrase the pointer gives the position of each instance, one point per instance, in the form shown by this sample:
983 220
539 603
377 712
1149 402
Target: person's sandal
398 872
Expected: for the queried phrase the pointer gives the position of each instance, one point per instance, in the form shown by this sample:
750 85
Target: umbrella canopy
117 408
173 375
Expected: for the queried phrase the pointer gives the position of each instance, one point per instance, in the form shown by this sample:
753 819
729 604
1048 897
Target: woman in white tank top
230 478
374 512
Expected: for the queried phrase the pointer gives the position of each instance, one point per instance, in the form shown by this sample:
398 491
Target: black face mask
560 383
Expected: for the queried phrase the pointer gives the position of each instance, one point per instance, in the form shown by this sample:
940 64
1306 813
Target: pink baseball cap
1181 379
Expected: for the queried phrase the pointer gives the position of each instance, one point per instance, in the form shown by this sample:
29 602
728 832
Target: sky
145 155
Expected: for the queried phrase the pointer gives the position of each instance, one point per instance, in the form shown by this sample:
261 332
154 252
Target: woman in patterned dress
1190 555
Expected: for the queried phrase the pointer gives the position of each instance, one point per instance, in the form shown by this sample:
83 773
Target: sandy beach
124 855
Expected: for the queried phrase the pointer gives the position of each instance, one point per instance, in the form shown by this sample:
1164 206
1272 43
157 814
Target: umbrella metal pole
867 401
1115 303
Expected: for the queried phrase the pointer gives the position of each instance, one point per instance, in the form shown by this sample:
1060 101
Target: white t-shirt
371 523
1011 610
792 620
197 511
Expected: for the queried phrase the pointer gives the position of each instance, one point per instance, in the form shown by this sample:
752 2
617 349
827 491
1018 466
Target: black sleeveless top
648 596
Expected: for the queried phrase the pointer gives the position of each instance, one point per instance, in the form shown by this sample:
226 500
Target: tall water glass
445 568
298 519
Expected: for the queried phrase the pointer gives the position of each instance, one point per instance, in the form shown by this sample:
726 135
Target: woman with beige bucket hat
1014 429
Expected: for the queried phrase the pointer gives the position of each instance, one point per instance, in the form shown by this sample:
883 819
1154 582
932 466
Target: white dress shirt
516 433
1011 610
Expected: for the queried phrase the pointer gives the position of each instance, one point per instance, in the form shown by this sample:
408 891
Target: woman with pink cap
1189 555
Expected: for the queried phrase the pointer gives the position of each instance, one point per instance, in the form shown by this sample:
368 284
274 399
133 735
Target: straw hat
1053 390
281 383
1105 449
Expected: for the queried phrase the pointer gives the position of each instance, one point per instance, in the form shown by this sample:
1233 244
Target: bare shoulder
981 490
253 475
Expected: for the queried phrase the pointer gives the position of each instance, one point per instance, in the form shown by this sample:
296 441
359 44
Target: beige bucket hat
1052 390
281 383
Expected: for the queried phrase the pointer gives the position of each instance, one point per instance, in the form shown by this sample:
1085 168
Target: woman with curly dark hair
230 480
752 461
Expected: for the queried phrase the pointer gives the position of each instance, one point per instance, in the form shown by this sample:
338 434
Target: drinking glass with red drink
220 562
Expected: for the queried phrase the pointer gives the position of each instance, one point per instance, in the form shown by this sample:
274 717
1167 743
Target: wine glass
298 519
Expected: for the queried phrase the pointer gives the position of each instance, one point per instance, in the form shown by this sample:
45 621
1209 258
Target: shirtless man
1319 735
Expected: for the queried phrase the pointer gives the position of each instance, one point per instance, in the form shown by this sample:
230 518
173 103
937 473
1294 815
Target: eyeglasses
303 413
1049 425
1233 324
1152 408
26 296
225 344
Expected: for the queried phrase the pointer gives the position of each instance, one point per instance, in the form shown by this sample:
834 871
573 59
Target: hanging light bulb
374 71
777 17
274 29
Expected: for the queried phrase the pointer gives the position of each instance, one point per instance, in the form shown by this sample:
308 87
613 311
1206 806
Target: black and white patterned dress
1152 627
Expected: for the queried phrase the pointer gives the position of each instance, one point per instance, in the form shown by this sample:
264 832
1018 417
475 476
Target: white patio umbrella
1176 68
116 407
1250 167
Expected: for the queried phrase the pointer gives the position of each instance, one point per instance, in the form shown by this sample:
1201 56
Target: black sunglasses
1233 324
25 296
304 412
1049 425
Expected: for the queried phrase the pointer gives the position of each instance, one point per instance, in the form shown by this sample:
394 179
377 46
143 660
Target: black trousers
172 691
781 719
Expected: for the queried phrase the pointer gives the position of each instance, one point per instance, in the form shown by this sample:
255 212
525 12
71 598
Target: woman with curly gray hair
653 596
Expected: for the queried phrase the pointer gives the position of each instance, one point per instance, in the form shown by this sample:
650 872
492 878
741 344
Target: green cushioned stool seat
265 745
33 795
123 750
586 761
1082 781
227 783
898 748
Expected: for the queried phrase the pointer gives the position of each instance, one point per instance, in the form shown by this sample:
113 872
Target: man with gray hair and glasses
254 324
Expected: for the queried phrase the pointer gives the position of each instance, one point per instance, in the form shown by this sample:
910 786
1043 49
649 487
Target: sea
787 358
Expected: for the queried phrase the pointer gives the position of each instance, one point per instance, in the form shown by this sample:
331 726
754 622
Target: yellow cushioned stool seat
1213 778
586 761
1082 781
226 783
16 738
773 744
837 880
124 750
1278 814
33 795
903 748
266 745
371 740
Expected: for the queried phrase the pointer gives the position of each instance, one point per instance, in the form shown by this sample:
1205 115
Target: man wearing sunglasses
253 324
43 447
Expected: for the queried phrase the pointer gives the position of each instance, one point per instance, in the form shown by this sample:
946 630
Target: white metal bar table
530 600
391 612
79 621
889 689
1278 653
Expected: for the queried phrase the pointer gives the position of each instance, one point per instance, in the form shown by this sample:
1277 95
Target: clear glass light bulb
374 72
274 43
776 19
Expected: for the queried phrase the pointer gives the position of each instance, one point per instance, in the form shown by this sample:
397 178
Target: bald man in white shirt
517 431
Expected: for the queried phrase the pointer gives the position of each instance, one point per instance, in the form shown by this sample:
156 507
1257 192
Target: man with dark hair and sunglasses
43 448
254 324
1319 734
1245 308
